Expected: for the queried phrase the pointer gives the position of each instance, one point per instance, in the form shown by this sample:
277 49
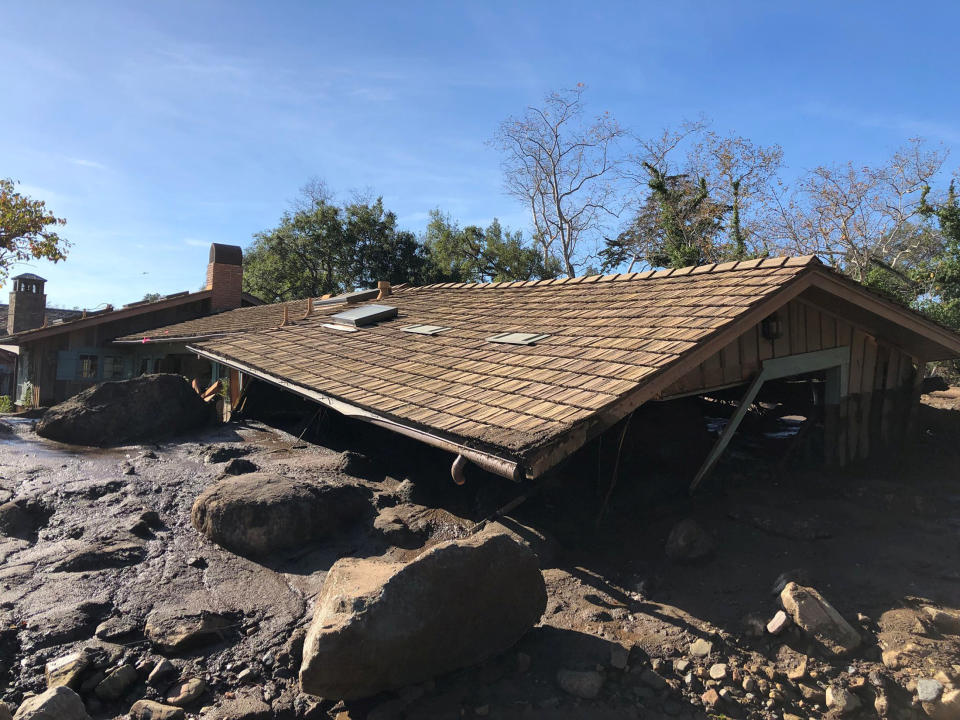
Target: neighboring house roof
246 319
28 276
98 317
53 314
82 319
611 343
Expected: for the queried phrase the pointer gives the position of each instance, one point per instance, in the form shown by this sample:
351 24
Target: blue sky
158 128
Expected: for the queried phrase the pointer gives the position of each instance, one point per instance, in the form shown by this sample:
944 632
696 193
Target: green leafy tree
320 247
474 254
27 229
381 251
306 255
679 224
940 275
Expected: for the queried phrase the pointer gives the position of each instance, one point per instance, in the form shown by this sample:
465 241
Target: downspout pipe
457 470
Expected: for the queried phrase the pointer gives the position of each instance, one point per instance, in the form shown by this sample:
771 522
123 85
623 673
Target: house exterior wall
61 365
881 396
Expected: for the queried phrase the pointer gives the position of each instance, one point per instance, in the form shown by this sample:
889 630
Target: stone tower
28 304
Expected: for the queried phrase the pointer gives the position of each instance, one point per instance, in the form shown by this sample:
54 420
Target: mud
878 540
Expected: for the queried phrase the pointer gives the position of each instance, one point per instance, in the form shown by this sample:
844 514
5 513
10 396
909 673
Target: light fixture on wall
771 327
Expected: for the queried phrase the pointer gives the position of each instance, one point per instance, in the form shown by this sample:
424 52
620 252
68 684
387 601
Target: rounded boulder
259 513
381 625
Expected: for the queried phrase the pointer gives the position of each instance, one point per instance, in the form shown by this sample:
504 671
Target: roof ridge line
755 263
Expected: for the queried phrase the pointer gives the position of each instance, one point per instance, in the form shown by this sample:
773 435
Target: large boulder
259 513
59 703
117 412
382 625
819 619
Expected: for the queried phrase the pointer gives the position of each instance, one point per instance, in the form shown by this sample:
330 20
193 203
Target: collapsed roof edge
507 467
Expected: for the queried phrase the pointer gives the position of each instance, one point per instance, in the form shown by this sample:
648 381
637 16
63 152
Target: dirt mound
382 625
258 513
113 413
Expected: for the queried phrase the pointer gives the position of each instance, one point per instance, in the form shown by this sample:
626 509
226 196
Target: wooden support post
717 450
835 358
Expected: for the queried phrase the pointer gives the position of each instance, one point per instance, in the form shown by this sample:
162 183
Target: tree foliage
27 229
474 254
698 197
320 247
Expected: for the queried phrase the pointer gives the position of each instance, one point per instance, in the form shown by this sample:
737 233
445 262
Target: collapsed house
515 377
58 353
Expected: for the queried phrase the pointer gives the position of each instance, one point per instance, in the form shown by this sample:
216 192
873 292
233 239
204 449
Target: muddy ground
879 541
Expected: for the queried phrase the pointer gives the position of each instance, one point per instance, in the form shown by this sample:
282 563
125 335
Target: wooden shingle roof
607 337
244 319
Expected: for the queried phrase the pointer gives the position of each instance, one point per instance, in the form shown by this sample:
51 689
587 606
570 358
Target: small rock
58 703
778 623
710 698
197 562
174 630
689 541
580 683
701 648
239 466
150 710
946 621
798 671
718 671
812 693
841 700
161 671
928 690
115 684
248 675
619 656
185 692
681 665
66 670
819 619
115 628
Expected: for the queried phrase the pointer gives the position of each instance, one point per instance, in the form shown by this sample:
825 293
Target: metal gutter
186 338
504 467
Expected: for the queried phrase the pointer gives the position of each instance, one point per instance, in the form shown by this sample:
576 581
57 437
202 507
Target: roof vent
425 329
365 315
517 338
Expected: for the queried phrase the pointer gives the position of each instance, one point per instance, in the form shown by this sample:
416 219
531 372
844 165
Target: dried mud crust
884 549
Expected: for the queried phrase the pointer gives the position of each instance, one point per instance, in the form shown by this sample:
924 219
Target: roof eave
502 465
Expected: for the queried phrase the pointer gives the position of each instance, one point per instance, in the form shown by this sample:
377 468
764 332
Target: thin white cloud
912 126
195 242
82 162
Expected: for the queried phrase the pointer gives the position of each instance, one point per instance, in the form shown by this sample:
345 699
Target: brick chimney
225 276
28 304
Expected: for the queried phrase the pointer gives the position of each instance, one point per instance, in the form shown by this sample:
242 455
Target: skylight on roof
341 328
517 338
364 315
424 329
